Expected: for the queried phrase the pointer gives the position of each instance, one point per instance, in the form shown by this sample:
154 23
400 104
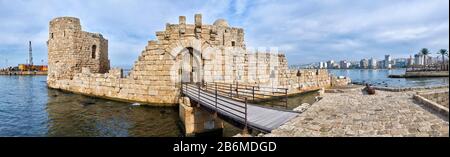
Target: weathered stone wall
438 97
426 74
195 119
308 79
198 52
340 81
70 49
434 100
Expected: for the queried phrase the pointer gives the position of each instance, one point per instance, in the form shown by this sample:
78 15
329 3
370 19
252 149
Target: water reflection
76 115
29 108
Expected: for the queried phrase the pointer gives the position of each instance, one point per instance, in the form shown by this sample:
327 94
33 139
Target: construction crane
30 55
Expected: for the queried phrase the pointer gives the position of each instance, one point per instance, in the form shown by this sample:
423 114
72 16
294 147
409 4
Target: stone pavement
386 114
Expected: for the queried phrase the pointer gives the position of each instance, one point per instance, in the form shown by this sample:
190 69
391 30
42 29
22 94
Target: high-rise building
387 62
410 61
431 60
322 65
380 64
372 63
400 63
364 64
330 64
419 59
344 64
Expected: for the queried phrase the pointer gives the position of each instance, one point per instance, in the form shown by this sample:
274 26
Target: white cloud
403 34
240 6
308 30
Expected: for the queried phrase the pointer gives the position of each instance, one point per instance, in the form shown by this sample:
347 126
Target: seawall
23 73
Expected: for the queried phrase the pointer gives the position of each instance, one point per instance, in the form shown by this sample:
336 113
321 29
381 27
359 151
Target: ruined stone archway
188 67
188 56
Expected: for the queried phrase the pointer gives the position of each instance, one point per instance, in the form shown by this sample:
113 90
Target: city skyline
375 62
307 31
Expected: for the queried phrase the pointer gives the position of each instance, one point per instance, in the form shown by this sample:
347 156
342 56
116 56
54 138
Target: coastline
401 97
23 73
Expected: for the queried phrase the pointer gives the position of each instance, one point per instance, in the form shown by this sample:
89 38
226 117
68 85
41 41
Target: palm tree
443 52
425 53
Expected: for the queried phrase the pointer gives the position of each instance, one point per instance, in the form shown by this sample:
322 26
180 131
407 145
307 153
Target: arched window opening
233 43
94 49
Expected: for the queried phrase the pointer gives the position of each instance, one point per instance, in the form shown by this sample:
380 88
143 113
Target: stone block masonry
70 49
78 62
440 97
197 120
353 113
435 100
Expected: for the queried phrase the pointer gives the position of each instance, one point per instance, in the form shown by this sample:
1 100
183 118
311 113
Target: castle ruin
70 49
78 62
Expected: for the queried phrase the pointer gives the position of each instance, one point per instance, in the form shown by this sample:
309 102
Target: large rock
302 108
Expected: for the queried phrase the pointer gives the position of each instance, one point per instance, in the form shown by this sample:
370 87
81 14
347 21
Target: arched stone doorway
188 61
190 66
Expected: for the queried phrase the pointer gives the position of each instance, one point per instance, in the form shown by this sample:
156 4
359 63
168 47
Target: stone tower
70 49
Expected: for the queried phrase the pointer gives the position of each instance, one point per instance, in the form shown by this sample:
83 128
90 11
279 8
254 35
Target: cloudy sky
306 30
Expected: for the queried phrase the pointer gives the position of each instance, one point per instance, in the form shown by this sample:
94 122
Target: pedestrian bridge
235 104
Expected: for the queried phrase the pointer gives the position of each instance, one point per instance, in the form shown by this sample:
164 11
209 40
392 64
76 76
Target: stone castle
71 49
78 62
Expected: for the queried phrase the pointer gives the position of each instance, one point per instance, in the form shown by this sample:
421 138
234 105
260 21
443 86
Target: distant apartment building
380 64
322 65
387 62
372 63
344 64
354 64
434 60
364 64
331 64
410 61
348 65
400 62
419 59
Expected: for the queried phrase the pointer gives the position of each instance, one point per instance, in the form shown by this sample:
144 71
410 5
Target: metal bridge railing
253 93
216 102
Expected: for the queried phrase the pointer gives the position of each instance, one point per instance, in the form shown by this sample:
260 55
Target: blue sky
306 30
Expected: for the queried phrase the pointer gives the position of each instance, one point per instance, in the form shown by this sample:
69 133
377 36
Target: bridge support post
196 121
286 97
215 101
245 130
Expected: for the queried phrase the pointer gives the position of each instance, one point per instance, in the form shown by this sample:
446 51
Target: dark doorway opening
94 50
187 66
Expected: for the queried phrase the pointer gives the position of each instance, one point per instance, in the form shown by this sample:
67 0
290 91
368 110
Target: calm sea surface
379 77
29 108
